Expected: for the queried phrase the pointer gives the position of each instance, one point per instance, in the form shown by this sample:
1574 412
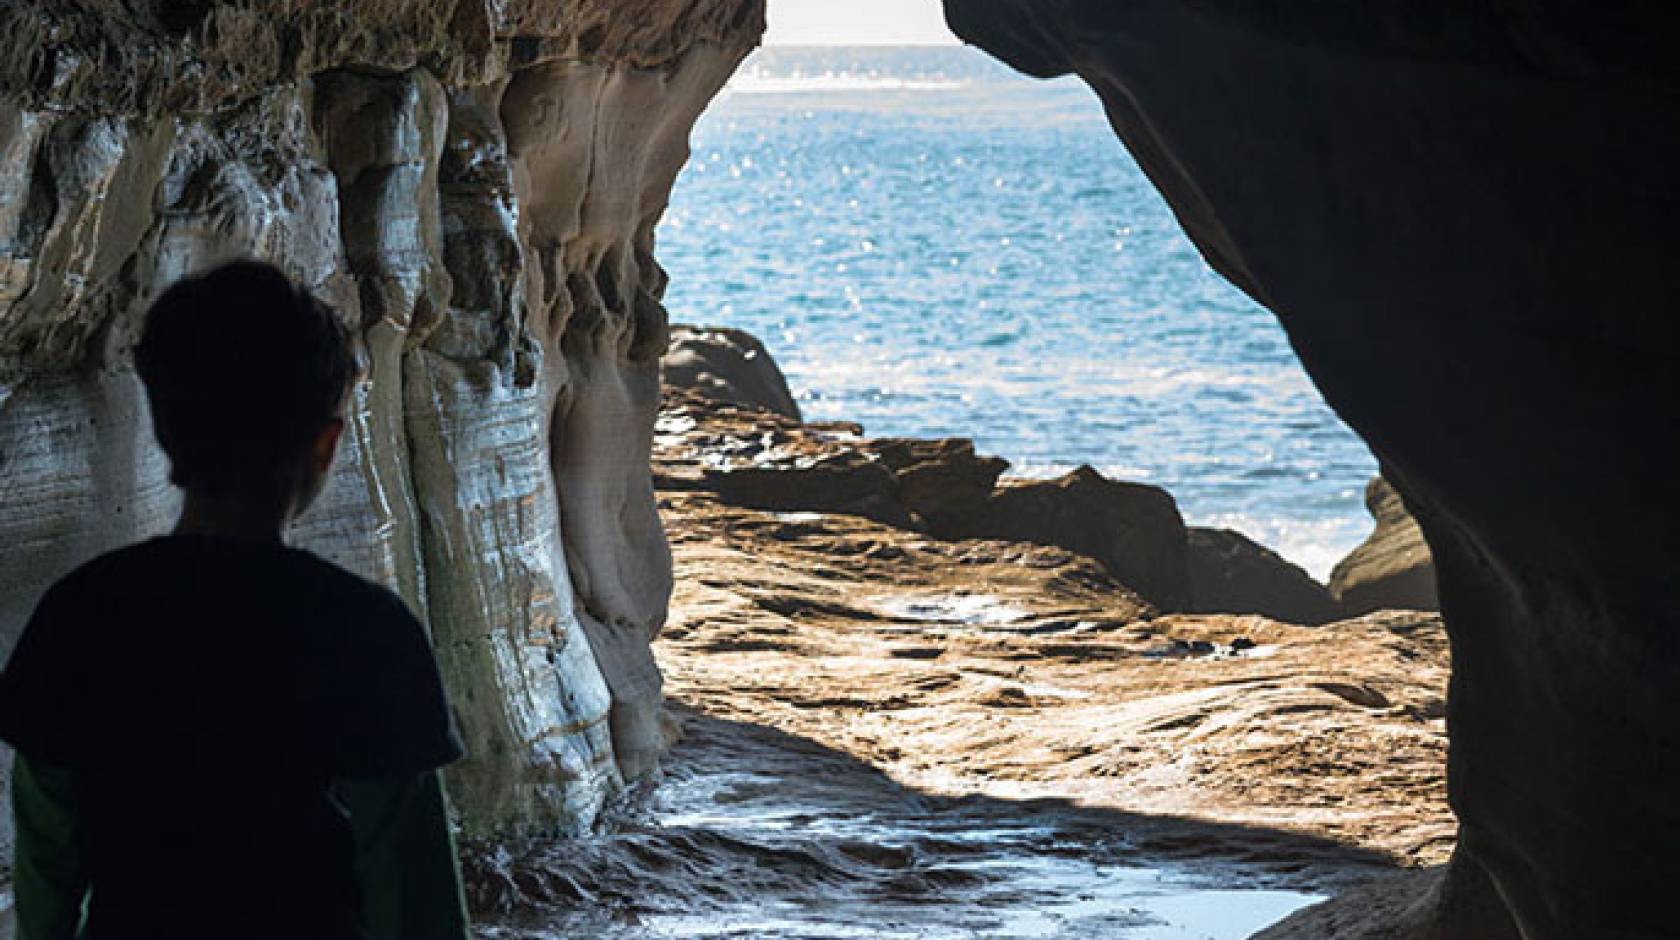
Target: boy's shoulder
248 572
141 637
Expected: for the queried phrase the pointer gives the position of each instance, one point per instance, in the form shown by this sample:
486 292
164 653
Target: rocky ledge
852 678
840 675
728 426
1011 668
821 591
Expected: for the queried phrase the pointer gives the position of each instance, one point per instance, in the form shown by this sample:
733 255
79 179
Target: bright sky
857 23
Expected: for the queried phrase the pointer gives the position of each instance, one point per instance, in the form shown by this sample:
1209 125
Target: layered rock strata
753 457
1025 671
1464 219
941 488
1026 667
474 186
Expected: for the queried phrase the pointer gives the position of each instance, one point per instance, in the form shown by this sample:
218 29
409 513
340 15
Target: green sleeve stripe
50 871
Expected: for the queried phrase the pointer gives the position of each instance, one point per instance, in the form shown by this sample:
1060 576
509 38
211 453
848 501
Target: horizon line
957 44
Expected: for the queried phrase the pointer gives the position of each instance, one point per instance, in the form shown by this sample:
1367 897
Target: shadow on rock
758 830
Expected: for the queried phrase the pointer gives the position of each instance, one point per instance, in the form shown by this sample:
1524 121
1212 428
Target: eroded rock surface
1023 671
1390 569
755 458
1464 217
475 186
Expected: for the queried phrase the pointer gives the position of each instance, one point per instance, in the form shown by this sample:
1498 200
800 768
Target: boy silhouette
218 735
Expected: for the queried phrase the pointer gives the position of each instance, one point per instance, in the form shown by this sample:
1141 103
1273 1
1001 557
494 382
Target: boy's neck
260 518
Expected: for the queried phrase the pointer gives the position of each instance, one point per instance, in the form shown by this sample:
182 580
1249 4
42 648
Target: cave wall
474 185
1464 217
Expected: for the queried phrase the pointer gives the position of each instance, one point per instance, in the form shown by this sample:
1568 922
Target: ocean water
934 246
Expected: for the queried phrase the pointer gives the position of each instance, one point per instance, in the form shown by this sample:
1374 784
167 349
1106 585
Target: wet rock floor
757 833
887 736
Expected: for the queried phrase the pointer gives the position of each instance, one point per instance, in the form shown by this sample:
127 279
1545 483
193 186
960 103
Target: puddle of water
758 834
967 609
1148 904
1241 650
668 429
800 518
1210 915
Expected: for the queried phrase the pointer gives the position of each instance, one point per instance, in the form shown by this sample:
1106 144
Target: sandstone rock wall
475 186
1464 217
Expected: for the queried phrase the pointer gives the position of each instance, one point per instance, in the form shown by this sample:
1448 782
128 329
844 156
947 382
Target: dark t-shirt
204 692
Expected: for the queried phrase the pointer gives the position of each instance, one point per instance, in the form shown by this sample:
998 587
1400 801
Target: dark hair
243 367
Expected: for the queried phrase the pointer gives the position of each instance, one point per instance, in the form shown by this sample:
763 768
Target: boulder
1232 574
943 482
1393 568
727 365
1463 215
1134 530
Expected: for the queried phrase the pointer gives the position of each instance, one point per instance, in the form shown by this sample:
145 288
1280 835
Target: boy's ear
325 446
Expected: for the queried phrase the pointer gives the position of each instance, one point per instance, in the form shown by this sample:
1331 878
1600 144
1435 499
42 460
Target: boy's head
247 376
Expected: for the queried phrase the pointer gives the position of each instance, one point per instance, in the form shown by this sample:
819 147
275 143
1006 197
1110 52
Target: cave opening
1463 221
935 246
937 250
910 685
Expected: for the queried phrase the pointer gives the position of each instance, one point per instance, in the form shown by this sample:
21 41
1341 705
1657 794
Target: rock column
475 187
